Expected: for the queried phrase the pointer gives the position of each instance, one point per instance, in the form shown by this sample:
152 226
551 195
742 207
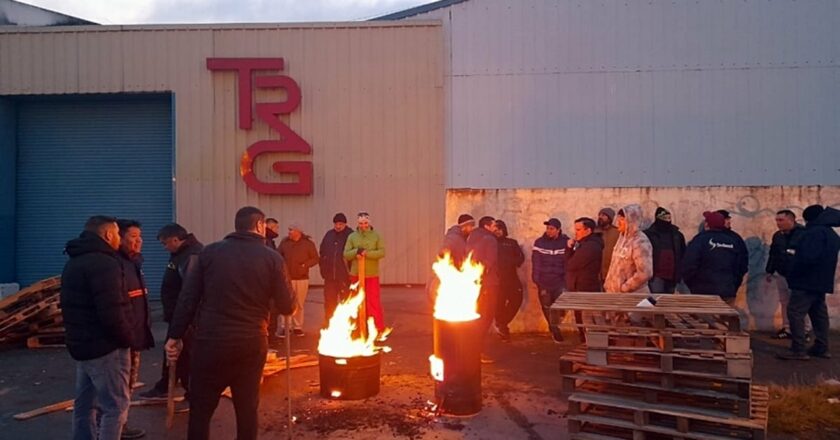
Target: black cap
340 218
724 213
465 218
552 222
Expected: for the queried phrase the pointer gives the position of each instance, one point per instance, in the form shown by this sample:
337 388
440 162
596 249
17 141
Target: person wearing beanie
668 249
632 260
811 277
548 268
298 251
609 234
714 263
455 240
332 265
511 258
366 243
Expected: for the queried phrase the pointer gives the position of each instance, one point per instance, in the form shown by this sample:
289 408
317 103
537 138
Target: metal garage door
85 155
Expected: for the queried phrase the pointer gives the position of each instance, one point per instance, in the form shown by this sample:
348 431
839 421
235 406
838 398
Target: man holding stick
229 291
364 249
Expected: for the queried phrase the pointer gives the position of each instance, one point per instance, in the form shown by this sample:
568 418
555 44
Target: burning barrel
348 361
456 362
456 366
349 378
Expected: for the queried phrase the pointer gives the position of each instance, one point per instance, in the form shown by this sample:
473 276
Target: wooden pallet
47 339
704 399
671 311
614 418
27 313
731 365
574 363
49 285
666 341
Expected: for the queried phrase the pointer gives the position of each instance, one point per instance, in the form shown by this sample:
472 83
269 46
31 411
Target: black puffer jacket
715 263
135 286
511 257
332 264
95 308
176 270
668 245
548 261
814 265
782 249
228 291
583 265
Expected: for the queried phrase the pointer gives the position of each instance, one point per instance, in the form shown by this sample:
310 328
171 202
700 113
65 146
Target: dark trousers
182 367
547 298
237 364
509 301
812 304
334 291
661 285
487 300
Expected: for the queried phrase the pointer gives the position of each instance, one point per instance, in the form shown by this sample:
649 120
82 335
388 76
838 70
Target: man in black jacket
714 263
98 322
511 258
811 276
668 248
131 244
332 264
183 248
485 250
782 250
227 297
584 257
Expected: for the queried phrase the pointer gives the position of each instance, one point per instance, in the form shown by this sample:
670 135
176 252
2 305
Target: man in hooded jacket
510 286
484 247
632 260
668 248
811 277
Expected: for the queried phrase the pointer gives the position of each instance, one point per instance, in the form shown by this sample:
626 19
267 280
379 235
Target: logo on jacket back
714 245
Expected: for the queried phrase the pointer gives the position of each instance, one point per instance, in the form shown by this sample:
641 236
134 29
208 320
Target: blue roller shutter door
80 156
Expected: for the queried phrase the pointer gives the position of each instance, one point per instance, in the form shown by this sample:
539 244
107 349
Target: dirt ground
521 390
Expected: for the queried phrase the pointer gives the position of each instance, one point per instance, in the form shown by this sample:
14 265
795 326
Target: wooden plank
729 364
60 406
45 284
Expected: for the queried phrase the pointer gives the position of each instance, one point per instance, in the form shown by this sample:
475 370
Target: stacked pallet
679 369
33 315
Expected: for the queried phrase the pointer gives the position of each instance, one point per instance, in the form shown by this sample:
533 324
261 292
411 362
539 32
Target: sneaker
792 356
820 354
153 394
783 334
298 332
132 433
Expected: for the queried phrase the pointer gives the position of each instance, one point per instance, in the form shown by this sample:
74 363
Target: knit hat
340 218
661 213
552 222
465 219
812 212
609 212
715 220
295 226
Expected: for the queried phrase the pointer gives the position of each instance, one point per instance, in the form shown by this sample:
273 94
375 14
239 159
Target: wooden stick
362 322
170 396
289 378
44 410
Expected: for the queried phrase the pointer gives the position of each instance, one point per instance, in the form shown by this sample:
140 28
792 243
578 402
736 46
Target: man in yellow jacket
366 242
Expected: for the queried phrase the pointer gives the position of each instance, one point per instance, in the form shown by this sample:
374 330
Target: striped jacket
548 262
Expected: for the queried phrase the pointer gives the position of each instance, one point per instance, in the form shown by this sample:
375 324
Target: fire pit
348 361
456 362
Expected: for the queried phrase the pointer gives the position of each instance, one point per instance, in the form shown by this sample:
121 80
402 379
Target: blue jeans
102 385
547 298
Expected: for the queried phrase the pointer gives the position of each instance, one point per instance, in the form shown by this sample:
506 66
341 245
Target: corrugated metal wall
574 93
372 111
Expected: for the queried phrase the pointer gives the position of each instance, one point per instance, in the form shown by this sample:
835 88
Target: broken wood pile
678 368
33 315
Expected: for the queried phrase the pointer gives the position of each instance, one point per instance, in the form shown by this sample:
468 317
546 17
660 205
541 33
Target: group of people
219 302
614 254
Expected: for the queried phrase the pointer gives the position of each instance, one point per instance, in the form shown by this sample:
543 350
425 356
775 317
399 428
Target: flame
457 294
337 340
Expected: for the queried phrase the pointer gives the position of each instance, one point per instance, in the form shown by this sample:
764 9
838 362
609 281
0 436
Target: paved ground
521 390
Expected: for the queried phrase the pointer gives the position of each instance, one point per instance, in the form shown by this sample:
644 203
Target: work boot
132 433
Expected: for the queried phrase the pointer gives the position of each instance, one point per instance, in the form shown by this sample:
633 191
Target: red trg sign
249 84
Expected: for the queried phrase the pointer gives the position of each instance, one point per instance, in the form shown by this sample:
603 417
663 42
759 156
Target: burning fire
338 341
457 294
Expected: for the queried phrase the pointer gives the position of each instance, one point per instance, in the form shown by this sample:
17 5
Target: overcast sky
223 11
